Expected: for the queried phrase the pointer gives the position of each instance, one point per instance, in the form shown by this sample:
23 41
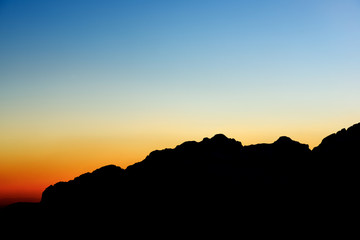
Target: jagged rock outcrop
337 158
343 145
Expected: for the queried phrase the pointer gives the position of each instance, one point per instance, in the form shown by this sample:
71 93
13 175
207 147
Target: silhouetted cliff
341 145
213 179
87 190
213 168
337 158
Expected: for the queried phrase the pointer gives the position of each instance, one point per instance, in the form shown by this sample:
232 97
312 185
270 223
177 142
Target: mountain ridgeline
214 177
193 173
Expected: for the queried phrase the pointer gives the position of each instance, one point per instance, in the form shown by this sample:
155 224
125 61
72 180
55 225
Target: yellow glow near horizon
29 165
78 92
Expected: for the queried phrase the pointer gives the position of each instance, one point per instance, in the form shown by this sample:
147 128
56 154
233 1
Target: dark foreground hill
212 181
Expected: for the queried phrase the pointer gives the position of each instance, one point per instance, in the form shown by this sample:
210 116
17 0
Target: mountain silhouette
337 157
213 180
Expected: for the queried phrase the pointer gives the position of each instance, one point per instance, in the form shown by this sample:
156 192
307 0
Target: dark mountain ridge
214 177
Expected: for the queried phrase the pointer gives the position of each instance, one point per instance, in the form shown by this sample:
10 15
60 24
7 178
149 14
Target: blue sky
259 64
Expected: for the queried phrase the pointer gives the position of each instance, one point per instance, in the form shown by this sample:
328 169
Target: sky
89 83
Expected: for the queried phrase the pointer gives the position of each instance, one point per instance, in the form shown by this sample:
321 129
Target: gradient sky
89 83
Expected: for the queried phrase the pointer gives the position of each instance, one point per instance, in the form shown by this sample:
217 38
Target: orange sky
28 166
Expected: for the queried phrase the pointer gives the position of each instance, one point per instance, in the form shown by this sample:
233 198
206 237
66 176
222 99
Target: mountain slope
215 179
338 157
212 170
